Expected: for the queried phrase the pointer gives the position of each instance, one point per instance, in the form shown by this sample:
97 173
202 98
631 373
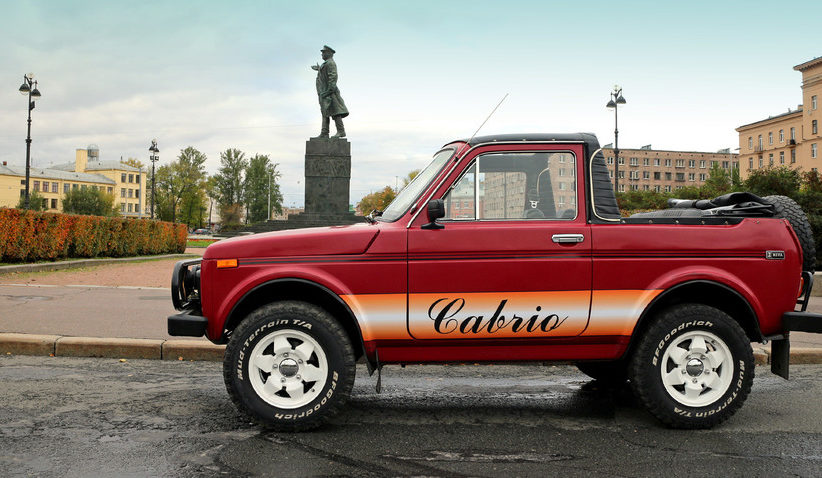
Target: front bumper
187 323
795 321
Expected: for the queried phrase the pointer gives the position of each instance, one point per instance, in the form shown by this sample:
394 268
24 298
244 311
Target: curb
180 349
56 266
121 348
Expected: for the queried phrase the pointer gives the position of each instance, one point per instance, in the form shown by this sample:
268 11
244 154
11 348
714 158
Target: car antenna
489 117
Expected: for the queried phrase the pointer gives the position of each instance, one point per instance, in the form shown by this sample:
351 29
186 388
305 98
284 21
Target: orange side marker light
226 263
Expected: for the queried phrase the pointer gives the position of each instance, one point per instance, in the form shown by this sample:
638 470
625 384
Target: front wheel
289 365
693 368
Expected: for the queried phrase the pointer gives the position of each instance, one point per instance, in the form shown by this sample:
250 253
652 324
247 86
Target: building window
611 174
84 186
55 187
36 186
74 187
634 162
667 176
646 187
680 163
137 176
680 176
129 207
657 175
123 192
691 177
54 204
646 175
668 162
813 127
656 188
813 102
813 150
667 189
646 162
702 164
770 159
131 191
137 193
122 207
793 134
622 188
622 175
725 164
793 156
136 208
656 161
122 177
702 176
110 190
66 187
760 141
750 163
761 163
131 178
781 157
770 137
781 135
621 161
750 142
610 160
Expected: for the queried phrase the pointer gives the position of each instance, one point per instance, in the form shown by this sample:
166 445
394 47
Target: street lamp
616 100
29 88
154 156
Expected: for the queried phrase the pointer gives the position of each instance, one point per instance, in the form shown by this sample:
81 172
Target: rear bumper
187 323
802 322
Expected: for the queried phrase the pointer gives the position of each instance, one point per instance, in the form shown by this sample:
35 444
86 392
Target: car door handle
564 238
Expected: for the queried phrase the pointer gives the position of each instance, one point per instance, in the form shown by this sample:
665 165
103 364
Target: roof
648 151
534 137
49 173
97 166
808 64
770 118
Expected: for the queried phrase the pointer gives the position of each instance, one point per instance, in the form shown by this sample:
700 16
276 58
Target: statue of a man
331 103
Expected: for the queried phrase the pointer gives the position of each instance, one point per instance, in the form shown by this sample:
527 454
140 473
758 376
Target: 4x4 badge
775 255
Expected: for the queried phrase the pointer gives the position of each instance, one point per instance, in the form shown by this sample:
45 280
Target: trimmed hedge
28 236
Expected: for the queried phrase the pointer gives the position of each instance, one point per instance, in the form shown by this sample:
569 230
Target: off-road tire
666 338
787 208
613 372
298 323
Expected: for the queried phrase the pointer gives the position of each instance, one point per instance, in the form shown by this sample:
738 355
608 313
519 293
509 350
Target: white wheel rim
288 369
697 368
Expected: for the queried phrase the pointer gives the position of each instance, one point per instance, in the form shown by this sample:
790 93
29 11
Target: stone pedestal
327 176
327 181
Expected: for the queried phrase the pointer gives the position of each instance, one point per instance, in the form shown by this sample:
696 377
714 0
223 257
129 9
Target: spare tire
787 208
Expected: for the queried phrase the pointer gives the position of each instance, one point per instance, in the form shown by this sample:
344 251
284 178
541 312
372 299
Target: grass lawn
200 242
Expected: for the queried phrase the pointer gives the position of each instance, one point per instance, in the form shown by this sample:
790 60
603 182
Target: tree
89 202
719 182
36 202
378 200
230 181
409 177
180 182
260 187
780 180
134 163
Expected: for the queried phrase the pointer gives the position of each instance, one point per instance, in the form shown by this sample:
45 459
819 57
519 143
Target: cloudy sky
415 75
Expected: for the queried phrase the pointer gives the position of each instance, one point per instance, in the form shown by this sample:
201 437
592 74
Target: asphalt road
96 417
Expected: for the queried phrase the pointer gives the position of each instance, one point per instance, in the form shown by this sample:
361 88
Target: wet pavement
101 417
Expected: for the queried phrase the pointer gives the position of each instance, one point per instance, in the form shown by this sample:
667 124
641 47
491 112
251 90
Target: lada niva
508 248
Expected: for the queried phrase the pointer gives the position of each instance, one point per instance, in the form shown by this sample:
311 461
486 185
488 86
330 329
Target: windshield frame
407 190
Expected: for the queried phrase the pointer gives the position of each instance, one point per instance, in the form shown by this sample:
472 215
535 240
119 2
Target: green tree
89 202
780 180
36 202
261 187
134 163
719 182
178 183
229 183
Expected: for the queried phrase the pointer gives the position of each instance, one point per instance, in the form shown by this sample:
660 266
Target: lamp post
616 100
154 156
29 88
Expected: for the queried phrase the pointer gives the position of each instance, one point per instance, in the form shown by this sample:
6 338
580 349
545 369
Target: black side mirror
436 210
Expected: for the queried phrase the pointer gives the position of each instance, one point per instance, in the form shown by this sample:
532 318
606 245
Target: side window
504 186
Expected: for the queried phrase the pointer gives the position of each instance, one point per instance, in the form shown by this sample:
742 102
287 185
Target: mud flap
781 357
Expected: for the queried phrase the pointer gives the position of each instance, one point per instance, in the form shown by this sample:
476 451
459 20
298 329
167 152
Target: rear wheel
787 208
289 365
693 368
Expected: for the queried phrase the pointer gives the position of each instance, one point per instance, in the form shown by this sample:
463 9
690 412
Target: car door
513 260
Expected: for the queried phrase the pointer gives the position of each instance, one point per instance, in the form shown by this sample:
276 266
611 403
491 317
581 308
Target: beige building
126 183
790 139
648 169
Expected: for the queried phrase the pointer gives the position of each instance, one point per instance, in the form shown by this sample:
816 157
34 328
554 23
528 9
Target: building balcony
758 149
792 143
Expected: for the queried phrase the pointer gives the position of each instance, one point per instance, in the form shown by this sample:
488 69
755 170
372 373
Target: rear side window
502 186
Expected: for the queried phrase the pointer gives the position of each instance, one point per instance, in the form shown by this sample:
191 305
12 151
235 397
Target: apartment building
789 139
126 183
648 169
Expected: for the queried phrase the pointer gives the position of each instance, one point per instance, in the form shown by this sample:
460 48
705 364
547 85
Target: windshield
409 194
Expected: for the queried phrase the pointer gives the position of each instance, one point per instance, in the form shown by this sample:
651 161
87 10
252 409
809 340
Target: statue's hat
328 49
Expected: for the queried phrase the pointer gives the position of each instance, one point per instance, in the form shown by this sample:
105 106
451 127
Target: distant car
202 231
